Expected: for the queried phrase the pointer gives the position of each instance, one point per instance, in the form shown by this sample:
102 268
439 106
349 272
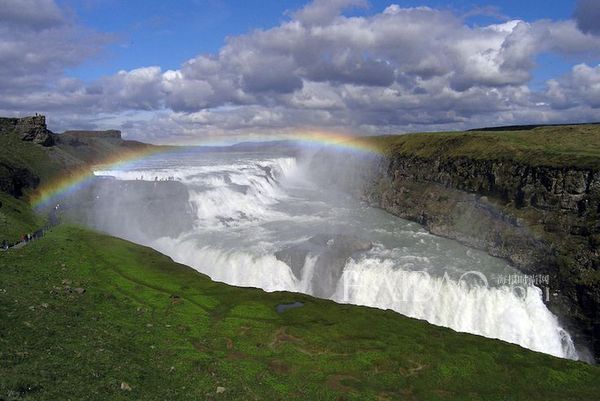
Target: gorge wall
544 220
14 180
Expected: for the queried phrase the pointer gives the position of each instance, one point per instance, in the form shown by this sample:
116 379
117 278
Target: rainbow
338 141
50 193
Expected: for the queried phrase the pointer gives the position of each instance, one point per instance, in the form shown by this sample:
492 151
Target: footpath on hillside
25 239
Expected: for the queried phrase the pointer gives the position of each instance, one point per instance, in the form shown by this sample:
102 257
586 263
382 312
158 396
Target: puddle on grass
283 307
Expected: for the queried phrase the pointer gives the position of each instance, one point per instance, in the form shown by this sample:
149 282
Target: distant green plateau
564 146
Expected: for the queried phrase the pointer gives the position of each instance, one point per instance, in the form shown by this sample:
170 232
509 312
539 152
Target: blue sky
167 33
194 70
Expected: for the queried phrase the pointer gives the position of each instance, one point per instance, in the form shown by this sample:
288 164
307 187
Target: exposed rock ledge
31 129
331 253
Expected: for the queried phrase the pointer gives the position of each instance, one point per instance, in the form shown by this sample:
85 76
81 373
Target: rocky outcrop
32 129
14 180
331 253
575 191
543 219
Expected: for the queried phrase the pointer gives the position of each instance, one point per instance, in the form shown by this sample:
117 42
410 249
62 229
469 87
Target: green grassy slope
48 164
565 146
17 218
44 162
171 333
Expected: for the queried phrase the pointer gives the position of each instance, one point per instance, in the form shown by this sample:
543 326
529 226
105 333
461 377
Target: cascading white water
248 207
243 195
517 316
234 267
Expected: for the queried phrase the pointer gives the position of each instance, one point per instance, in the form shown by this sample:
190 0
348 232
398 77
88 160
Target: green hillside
160 330
25 166
87 316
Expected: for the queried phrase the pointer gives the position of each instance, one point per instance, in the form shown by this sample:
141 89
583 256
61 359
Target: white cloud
400 69
580 88
323 11
38 41
31 14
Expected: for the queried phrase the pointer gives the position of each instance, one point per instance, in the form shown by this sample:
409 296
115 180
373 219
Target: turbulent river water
247 209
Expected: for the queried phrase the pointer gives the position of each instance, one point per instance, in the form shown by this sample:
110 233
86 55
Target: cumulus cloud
323 11
581 87
38 41
400 69
31 14
140 88
587 15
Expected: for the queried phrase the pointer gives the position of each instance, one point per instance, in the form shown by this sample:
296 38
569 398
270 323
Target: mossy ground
564 146
49 164
172 333
16 219
44 162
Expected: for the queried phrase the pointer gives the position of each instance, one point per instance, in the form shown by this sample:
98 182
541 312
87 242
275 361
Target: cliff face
24 164
13 180
572 190
15 174
31 129
544 220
